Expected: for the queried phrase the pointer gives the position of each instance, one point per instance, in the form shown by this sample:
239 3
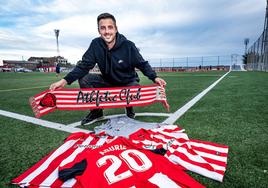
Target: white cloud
160 28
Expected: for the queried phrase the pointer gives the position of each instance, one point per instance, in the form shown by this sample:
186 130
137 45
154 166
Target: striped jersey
121 164
45 172
205 158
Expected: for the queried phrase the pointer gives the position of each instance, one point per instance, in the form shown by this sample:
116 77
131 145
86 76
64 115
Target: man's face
107 30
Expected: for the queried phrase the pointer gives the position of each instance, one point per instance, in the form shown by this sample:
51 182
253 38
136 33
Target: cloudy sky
160 28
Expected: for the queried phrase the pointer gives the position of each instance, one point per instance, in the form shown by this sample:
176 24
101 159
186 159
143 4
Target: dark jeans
97 81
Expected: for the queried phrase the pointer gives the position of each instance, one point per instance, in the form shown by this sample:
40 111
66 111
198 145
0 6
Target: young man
116 58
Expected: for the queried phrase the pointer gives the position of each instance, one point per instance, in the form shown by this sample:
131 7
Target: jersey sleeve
77 163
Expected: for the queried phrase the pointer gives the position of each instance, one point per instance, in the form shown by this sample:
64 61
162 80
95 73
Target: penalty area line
25 88
41 122
176 115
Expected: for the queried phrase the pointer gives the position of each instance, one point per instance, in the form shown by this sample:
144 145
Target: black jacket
117 65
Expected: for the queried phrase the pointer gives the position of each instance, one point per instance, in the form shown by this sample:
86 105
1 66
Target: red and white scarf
96 98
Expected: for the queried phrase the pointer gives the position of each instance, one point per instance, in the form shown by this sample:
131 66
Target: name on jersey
113 148
95 96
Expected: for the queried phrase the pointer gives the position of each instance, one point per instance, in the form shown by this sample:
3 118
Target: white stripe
217 167
75 96
173 118
210 147
191 157
51 178
197 158
67 145
69 183
100 142
169 127
54 175
197 169
101 105
175 142
163 181
45 110
171 134
211 156
25 88
110 90
39 97
76 152
147 142
41 122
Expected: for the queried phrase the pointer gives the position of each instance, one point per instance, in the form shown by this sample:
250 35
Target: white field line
72 127
171 119
41 122
118 115
25 88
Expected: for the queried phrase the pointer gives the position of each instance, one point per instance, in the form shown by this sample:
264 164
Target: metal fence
257 54
194 63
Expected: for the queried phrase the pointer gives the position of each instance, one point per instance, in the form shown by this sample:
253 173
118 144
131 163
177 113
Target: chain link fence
193 63
257 54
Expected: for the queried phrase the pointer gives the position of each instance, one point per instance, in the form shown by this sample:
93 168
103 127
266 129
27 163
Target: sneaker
93 115
130 112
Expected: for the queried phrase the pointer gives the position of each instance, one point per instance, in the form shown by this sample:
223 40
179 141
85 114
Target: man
116 58
58 70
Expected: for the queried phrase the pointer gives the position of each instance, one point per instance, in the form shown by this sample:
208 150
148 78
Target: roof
19 62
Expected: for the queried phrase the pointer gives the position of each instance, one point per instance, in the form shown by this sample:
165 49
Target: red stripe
58 182
46 112
213 152
104 102
186 159
102 107
107 88
150 94
102 91
142 97
32 169
53 165
216 162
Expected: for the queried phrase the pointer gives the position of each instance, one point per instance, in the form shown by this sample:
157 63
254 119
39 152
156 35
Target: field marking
41 122
18 89
188 75
176 115
172 117
119 115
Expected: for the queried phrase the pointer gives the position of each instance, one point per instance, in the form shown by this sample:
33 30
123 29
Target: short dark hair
105 16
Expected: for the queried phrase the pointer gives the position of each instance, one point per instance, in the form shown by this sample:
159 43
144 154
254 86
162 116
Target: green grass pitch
234 113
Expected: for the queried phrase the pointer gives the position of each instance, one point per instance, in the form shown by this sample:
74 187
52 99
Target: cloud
174 28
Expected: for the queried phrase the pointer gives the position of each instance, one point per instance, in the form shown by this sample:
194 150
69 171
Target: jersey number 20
125 156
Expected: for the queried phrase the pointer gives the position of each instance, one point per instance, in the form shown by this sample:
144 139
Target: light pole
57 32
246 41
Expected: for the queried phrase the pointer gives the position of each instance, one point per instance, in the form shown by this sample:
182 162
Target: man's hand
160 82
58 85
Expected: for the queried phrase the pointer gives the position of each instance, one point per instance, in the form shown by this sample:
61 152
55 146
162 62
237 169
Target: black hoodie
117 65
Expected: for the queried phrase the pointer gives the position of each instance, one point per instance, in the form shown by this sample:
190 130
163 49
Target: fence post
187 62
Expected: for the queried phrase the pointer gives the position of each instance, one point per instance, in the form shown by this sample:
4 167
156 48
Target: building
42 64
13 65
48 64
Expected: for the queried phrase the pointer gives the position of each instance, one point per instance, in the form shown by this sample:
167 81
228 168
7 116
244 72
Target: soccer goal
237 67
236 63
